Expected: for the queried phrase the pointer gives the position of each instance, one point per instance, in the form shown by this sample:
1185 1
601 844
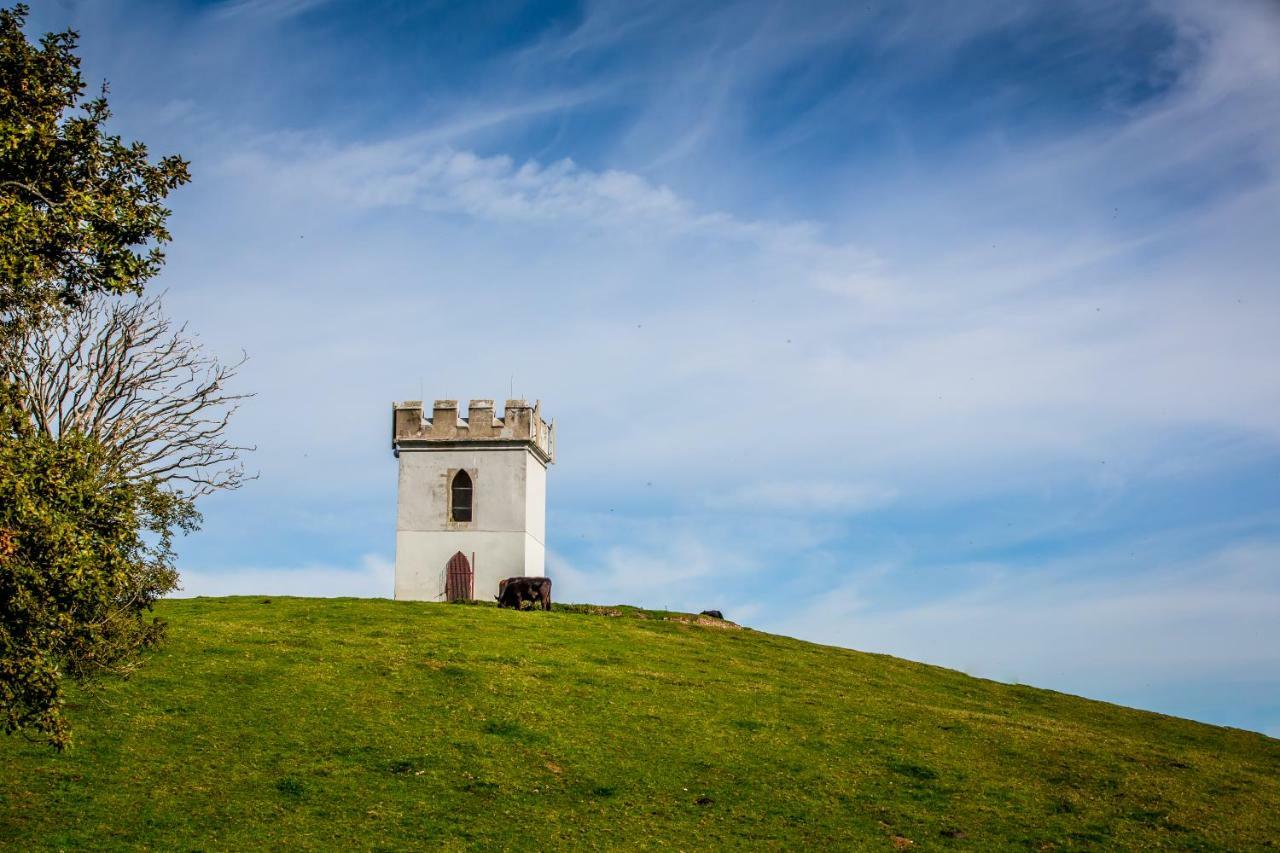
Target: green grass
321 724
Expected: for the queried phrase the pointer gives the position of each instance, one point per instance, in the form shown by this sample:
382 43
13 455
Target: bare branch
118 370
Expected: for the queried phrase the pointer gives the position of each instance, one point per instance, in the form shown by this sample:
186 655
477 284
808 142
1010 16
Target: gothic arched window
460 502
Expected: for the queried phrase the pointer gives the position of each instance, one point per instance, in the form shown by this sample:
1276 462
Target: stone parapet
520 423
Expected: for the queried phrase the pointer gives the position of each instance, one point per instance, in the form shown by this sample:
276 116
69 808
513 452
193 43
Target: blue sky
946 330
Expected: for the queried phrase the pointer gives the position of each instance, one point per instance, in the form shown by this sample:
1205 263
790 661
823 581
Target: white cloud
271 10
1100 633
998 317
805 497
669 564
1014 319
685 561
373 578
420 172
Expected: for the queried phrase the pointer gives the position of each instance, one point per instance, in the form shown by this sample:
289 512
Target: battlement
520 423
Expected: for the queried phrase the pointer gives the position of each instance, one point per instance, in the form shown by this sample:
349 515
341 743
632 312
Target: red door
459 580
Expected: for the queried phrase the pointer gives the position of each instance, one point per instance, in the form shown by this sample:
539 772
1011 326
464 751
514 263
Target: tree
85 533
119 372
81 211
84 552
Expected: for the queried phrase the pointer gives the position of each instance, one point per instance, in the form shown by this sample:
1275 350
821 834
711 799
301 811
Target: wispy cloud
272 10
1117 633
882 325
805 497
374 577
420 173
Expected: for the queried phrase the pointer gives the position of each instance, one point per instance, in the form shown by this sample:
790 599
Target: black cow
514 592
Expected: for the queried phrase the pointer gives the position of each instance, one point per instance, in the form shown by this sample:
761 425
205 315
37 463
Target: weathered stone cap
520 422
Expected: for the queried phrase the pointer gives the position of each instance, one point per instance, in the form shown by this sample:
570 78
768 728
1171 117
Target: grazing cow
514 592
502 598
714 614
502 586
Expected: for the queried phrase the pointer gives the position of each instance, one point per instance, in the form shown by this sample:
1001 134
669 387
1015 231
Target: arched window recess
460 497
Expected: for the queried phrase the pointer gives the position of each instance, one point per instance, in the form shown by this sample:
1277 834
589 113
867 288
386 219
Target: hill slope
328 723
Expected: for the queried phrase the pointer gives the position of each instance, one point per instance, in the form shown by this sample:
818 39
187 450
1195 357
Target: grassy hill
319 724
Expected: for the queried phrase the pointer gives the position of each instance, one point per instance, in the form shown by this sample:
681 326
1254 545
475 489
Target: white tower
471 506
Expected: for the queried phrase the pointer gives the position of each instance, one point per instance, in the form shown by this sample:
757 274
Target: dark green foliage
84 552
80 210
349 724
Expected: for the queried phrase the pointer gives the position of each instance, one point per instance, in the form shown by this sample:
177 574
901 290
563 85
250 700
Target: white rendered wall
508 519
535 501
421 558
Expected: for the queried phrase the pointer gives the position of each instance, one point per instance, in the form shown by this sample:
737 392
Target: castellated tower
471 507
